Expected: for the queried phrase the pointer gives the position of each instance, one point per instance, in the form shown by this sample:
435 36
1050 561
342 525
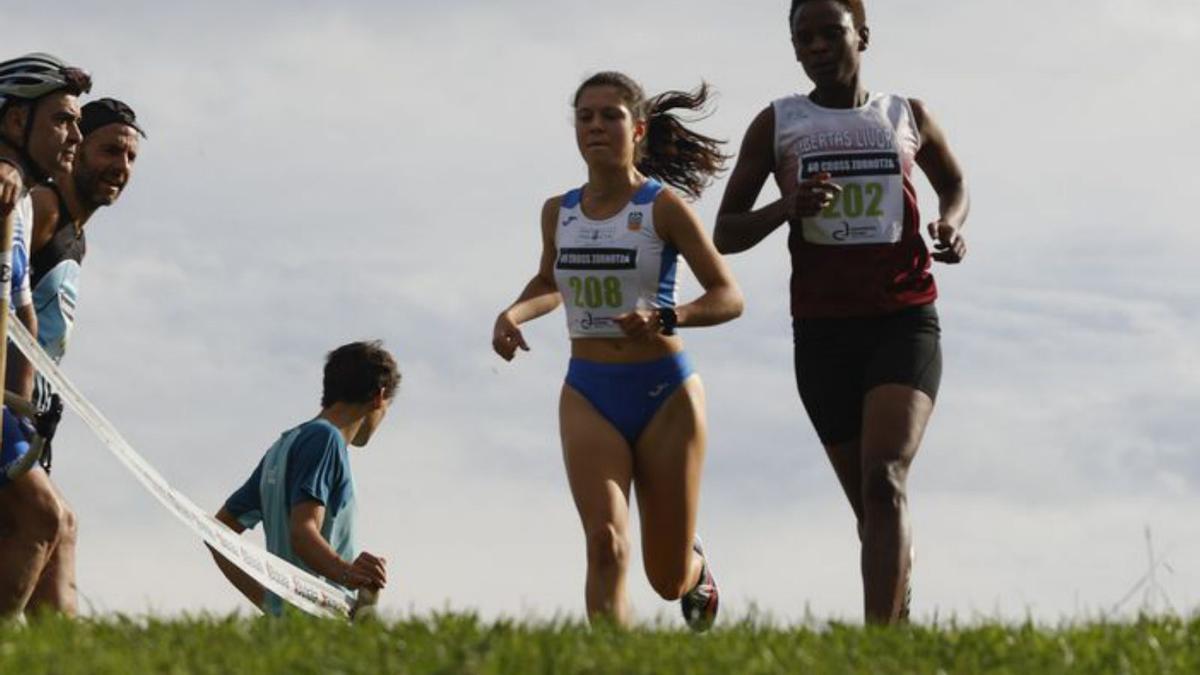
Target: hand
11 187
640 323
506 337
367 571
812 196
948 241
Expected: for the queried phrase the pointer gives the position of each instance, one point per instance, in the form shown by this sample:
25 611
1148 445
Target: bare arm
308 544
11 185
945 175
722 300
243 582
738 227
539 297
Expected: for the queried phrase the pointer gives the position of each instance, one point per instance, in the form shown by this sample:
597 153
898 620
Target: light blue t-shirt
308 463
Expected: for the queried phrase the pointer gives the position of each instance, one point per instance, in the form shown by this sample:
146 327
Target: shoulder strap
572 198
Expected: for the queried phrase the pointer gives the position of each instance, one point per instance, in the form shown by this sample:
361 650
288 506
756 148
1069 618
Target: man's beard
87 186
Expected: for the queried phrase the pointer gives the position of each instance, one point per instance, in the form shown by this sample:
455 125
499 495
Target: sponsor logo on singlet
588 321
596 233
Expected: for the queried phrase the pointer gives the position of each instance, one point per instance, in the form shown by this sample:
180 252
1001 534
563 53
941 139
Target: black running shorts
839 360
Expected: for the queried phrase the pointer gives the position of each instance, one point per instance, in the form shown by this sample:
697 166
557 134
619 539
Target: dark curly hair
670 151
355 372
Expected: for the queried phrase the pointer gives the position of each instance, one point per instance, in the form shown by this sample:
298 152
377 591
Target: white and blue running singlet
20 294
55 281
606 268
15 445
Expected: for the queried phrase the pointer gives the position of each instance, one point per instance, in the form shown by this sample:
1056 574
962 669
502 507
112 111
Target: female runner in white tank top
631 411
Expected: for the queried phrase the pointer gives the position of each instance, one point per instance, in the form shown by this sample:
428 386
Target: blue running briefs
15 447
628 394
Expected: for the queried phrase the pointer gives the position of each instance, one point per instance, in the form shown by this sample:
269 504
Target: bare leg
56 590
846 459
35 522
599 467
894 419
667 468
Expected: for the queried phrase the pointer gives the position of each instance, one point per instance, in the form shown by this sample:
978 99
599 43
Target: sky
316 174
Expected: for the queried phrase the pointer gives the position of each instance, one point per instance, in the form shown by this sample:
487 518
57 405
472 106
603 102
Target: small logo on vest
635 221
569 220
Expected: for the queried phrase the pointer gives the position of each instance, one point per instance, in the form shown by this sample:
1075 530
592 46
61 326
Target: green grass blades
463 644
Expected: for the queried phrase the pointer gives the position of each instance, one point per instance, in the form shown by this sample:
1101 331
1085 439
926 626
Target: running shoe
699 605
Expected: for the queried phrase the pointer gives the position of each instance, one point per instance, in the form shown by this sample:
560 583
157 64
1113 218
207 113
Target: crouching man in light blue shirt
303 490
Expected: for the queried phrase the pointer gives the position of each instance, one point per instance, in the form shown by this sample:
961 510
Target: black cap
105 111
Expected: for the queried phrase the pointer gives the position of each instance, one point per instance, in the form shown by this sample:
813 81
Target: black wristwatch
669 320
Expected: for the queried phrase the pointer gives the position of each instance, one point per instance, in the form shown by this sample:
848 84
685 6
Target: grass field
455 643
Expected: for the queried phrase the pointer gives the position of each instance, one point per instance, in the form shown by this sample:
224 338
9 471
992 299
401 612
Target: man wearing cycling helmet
39 135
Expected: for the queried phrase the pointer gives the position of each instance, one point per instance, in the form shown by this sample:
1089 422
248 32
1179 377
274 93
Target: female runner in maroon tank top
867 353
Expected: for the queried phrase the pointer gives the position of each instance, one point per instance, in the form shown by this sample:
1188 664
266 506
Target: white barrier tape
289 582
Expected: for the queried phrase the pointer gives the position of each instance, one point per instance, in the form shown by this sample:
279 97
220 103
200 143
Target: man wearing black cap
102 168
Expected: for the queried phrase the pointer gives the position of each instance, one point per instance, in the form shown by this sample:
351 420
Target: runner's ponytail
673 153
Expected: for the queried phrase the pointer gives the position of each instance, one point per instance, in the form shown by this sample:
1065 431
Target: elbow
720 243
737 305
953 189
734 304
299 539
721 240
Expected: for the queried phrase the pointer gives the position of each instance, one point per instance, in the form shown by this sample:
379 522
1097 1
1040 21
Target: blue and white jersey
605 268
19 292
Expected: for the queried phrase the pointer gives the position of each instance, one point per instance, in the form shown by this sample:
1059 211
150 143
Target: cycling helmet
33 76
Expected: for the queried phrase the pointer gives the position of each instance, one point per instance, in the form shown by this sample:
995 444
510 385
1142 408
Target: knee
669 575
44 518
669 584
607 547
68 527
884 486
